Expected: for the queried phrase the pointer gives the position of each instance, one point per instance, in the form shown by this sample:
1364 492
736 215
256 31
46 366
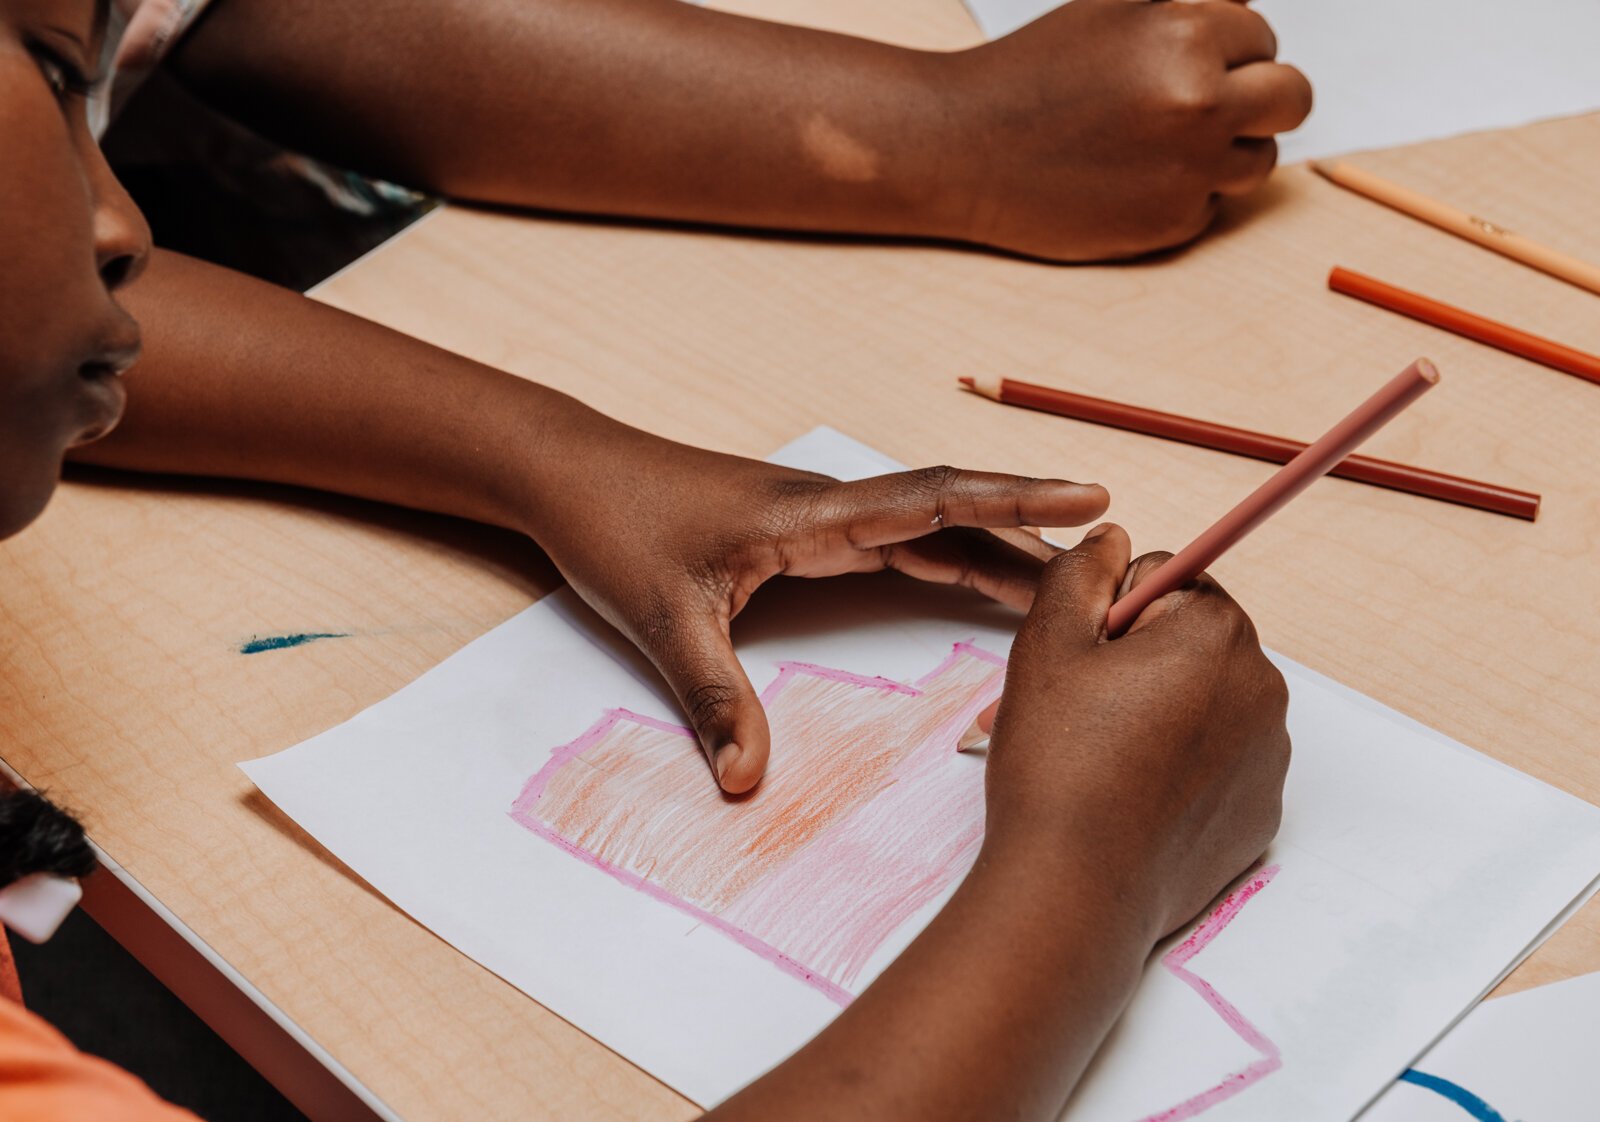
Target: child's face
71 236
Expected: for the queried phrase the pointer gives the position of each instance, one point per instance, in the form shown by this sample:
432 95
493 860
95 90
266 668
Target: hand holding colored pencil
1293 478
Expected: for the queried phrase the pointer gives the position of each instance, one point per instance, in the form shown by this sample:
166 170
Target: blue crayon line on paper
283 642
1465 1099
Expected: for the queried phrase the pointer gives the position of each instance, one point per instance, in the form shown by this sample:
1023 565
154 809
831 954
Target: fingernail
1097 531
723 760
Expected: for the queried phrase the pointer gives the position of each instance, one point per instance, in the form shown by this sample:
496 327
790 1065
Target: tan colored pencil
1459 222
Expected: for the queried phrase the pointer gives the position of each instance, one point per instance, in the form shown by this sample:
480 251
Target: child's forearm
648 108
1104 129
246 380
994 1012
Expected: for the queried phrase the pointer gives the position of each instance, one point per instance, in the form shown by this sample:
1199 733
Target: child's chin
22 501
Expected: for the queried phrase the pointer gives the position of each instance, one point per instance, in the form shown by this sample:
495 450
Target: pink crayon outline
521 809
1176 961
521 814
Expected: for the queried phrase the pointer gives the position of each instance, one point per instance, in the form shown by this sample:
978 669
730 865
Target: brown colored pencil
1535 348
1262 503
1457 221
1260 446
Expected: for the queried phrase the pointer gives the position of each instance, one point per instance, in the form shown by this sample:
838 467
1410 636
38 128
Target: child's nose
121 235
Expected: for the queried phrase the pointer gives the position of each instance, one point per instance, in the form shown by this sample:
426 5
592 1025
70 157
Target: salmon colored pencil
1258 445
1464 225
1261 504
1569 360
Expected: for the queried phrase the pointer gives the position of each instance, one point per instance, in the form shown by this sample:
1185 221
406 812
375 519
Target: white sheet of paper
490 799
1390 73
1527 1057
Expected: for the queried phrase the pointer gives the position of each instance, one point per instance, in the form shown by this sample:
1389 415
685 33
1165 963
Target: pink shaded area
866 815
1176 961
596 732
749 942
914 839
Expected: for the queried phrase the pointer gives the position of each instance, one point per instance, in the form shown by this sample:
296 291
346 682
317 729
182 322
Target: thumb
1069 608
699 664
1077 589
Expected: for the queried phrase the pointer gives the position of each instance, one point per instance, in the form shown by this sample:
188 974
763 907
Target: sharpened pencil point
974 737
984 385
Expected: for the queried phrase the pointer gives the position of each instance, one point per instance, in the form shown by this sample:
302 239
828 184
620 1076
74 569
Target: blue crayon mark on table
256 645
1474 1106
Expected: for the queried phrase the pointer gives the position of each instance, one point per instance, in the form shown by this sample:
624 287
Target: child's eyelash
64 77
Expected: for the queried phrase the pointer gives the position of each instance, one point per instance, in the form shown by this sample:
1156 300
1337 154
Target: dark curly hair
36 836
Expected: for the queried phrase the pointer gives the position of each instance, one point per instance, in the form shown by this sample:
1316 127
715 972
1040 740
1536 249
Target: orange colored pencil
1512 340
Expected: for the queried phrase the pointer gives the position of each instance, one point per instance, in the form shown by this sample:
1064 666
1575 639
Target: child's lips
104 397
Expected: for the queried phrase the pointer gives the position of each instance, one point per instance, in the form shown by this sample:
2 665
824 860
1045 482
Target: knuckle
1187 26
1193 95
709 703
1058 585
798 489
940 477
1276 685
1066 567
1238 631
799 508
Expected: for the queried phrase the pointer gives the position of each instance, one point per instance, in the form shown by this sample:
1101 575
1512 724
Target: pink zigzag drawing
1177 961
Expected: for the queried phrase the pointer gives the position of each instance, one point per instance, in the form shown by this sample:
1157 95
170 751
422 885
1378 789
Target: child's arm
1129 782
1105 129
668 542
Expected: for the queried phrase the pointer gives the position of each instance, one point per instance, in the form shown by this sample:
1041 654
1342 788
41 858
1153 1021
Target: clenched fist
1110 128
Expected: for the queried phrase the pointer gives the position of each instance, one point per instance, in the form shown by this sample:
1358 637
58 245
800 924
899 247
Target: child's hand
669 542
1153 764
1109 128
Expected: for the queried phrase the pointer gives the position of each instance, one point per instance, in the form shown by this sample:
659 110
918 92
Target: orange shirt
43 1078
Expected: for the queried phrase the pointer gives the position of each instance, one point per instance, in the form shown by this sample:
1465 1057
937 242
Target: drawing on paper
1176 962
1475 1107
867 815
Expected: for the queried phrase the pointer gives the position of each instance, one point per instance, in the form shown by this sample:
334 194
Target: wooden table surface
123 692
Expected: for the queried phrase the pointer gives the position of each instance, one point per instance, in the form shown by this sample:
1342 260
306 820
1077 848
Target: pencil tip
967 382
1323 168
974 737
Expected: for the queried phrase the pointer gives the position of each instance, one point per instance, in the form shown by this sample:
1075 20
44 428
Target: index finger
888 509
